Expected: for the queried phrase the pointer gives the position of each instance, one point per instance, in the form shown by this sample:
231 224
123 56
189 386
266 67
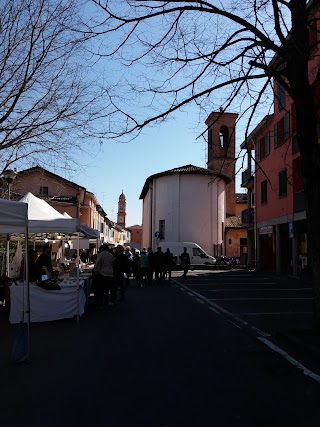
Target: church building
191 203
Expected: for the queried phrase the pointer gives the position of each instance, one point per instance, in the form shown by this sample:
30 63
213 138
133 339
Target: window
224 137
286 126
101 227
259 151
267 143
162 229
281 96
44 191
278 136
264 194
198 252
283 183
263 147
275 135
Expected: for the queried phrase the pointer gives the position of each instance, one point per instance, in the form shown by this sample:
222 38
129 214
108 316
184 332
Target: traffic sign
157 234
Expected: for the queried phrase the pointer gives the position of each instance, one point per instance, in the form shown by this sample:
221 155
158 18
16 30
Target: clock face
120 219
121 207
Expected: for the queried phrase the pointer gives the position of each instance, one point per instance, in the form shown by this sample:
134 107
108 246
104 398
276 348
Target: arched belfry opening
221 151
224 137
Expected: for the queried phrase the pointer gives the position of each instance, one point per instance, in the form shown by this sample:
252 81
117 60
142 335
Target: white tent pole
8 256
26 263
78 277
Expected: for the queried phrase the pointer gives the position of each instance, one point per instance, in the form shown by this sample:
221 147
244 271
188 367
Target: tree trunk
306 120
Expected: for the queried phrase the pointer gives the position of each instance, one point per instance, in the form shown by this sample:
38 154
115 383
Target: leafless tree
47 104
216 54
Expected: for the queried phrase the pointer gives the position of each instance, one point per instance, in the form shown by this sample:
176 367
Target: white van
197 255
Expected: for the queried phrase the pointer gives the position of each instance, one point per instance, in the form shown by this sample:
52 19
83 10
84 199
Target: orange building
64 195
280 216
136 234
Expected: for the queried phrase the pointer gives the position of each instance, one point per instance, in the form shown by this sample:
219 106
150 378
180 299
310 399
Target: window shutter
275 135
286 130
267 143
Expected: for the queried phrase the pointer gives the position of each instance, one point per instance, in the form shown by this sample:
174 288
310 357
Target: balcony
247 178
299 202
247 216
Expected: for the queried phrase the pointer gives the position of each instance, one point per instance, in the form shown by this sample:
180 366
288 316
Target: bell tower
121 215
222 152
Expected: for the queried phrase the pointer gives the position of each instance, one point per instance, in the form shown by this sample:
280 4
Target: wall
33 181
192 209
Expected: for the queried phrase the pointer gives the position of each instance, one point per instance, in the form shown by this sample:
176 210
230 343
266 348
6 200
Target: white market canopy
43 218
13 215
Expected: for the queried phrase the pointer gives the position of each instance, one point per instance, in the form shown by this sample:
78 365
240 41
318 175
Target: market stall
47 305
43 219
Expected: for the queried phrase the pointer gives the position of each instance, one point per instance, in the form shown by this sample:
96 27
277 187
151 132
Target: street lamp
8 175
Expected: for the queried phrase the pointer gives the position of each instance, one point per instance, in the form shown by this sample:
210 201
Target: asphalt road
162 358
269 303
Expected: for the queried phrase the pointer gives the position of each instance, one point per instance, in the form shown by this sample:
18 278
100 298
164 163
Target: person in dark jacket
150 266
44 263
168 263
32 266
159 265
185 262
121 268
136 267
104 277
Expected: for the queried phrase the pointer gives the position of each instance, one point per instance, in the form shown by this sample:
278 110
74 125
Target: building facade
184 204
279 222
68 198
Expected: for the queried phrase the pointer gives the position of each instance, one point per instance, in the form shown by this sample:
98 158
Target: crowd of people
114 267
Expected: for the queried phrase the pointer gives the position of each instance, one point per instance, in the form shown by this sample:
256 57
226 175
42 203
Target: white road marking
257 299
274 313
262 338
222 283
253 290
200 300
191 294
228 314
290 359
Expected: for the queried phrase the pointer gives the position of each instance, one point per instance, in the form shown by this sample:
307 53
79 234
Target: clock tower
121 215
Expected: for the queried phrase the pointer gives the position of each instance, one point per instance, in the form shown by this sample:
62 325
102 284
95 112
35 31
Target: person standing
168 262
143 267
121 268
44 263
185 262
136 267
129 256
104 278
32 269
159 265
150 266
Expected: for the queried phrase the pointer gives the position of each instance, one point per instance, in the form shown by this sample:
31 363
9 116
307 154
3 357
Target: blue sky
127 166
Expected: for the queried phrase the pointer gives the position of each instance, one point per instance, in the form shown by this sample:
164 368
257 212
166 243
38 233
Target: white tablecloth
47 305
